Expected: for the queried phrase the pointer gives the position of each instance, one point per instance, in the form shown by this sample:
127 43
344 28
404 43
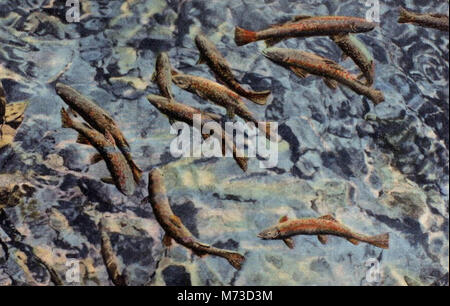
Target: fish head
182 81
270 233
157 101
277 55
162 59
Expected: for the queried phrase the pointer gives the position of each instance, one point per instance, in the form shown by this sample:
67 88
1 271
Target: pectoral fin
323 239
331 83
201 60
83 140
289 242
273 41
167 240
153 78
299 72
97 157
107 180
230 112
301 17
283 219
353 241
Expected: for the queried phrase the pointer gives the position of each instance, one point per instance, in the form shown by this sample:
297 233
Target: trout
430 20
221 96
357 51
322 227
163 75
2 109
184 113
121 173
175 229
304 26
218 64
304 63
110 259
98 119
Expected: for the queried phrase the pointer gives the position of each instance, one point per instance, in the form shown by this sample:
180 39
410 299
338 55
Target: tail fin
258 97
65 119
243 37
236 260
381 241
405 16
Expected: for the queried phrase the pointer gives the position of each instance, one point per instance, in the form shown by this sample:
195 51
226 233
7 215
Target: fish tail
65 119
259 97
381 241
243 37
405 16
235 259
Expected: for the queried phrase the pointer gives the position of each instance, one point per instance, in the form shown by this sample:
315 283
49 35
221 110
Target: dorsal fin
328 217
301 17
283 219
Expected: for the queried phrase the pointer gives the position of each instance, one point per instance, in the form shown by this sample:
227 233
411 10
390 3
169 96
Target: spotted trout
304 63
98 119
222 96
219 65
175 229
304 26
184 113
322 227
2 108
430 20
163 75
357 51
105 144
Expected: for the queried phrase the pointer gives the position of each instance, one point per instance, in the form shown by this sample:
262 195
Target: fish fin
323 239
72 112
167 240
328 217
97 157
171 121
332 84
214 116
438 15
201 94
381 241
360 76
353 241
344 57
137 172
283 219
175 220
199 253
201 60
259 97
236 260
289 242
242 162
230 112
65 119
174 71
243 37
83 140
153 78
404 16
110 138
107 180
299 72
273 41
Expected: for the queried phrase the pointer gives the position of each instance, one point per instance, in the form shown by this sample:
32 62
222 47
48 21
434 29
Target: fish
304 26
3 103
429 20
304 63
163 75
110 259
121 173
357 51
175 229
220 95
184 113
98 119
210 55
322 227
